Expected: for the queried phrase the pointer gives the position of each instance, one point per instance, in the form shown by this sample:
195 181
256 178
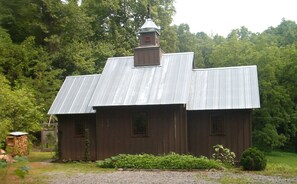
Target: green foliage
267 138
87 155
281 163
170 161
273 51
20 18
3 164
50 141
253 159
2 144
22 171
20 159
57 154
23 65
223 154
118 22
18 109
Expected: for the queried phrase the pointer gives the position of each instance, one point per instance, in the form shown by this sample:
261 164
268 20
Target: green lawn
278 157
281 163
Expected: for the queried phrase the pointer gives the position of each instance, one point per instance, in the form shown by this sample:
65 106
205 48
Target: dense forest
43 41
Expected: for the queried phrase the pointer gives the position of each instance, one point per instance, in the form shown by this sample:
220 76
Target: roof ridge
70 76
174 53
223 68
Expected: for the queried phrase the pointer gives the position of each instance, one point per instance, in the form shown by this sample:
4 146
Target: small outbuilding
17 143
156 102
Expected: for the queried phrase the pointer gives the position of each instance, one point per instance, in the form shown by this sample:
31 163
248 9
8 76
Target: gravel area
159 177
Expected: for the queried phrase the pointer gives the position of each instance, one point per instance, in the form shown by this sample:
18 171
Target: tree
118 21
21 18
274 124
26 64
285 33
18 109
205 45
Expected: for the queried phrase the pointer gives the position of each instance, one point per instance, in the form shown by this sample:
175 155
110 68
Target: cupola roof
149 26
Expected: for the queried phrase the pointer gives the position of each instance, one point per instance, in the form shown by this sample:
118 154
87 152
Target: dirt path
159 177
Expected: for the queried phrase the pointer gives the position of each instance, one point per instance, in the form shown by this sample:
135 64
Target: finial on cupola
148 11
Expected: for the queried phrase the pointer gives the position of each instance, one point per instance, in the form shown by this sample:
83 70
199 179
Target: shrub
223 154
253 159
22 171
169 161
3 164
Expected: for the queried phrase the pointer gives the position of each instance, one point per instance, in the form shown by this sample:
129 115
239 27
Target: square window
79 129
140 124
147 39
217 125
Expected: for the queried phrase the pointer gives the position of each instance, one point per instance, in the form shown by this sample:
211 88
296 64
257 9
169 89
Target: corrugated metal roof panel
224 88
74 95
123 84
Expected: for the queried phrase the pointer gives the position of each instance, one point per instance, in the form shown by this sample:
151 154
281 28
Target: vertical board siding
73 147
145 56
170 129
114 131
237 132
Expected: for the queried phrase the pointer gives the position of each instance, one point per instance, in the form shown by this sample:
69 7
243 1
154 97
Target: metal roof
149 26
224 88
123 84
174 81
74 95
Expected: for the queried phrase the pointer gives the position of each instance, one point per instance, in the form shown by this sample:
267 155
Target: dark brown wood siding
145 56
72 146
167 131
236 136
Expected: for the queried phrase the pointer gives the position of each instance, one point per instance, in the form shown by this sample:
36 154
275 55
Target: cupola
148 52
149 33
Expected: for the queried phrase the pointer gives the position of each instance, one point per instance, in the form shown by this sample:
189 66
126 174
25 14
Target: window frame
133 117
217 125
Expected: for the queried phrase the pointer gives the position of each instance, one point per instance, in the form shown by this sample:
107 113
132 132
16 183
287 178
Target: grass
235 180
226 177
281 163
40 156
286 158
41 170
